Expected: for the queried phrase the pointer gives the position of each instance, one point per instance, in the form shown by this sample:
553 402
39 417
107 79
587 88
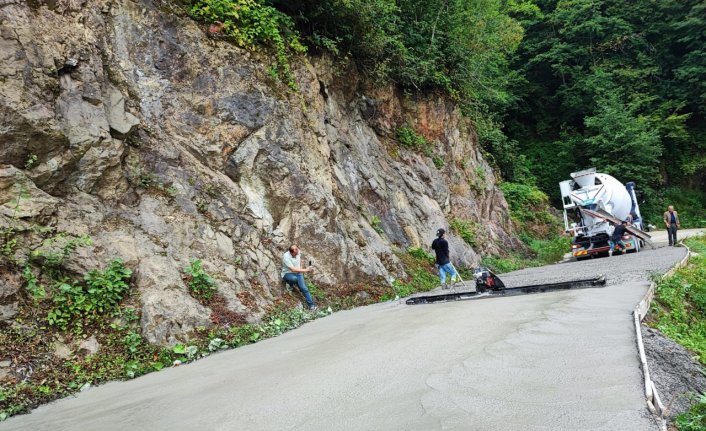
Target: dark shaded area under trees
619 86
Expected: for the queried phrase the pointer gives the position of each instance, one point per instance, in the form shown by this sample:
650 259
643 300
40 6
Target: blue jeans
613 242
443 269
298 279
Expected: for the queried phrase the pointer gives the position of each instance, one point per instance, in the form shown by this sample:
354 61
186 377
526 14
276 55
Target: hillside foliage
617 86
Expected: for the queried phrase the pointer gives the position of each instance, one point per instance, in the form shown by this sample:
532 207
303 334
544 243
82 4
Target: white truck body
597 192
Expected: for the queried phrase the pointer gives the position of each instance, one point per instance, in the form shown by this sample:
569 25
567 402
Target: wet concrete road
554 361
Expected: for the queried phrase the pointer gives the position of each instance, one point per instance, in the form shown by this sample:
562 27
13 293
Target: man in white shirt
292 272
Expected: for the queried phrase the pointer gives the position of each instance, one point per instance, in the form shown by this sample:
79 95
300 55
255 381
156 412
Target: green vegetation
467 230
680 307
142 178
407 137
538 228
250 23
615 86
419 264
695 418
529 209
458 46
679 312
201 285
31 161
82 303
376 224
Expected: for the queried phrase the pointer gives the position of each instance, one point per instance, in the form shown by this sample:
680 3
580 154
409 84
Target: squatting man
293 273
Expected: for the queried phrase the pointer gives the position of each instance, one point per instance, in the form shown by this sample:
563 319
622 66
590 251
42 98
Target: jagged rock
62 350
5 371
225 167
169 313
121 122
10 283
20 198
89 346
8 311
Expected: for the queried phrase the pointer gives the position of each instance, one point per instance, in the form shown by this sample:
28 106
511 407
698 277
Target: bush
201 285
421 254
529 209
418 264
467 230
252 22
100 293
407 137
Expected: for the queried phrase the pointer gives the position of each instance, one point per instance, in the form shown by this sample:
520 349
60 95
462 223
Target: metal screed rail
457 295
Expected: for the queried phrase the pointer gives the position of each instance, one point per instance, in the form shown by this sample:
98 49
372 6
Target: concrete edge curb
654 403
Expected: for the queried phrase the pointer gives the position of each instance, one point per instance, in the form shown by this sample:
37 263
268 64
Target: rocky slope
164 145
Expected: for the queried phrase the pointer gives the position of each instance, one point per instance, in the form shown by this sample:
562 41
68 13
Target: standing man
671 220
292 272
441 247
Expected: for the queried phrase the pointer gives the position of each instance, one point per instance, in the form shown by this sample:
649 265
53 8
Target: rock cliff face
165 145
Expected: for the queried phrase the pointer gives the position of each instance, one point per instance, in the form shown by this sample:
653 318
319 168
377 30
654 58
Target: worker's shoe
313 308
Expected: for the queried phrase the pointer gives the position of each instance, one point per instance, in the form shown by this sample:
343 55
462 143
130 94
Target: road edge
654 403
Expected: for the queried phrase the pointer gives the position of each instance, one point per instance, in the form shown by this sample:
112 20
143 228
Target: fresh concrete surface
554 361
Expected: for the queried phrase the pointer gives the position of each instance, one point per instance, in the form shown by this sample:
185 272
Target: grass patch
679 309
679 312
695 418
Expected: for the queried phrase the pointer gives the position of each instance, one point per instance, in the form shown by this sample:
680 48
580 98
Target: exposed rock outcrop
164 145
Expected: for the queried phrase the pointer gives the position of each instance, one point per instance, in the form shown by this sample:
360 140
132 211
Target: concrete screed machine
594 203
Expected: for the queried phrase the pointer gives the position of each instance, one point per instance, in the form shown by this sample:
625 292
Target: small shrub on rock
201 285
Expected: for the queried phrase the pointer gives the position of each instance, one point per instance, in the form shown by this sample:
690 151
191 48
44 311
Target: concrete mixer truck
593 204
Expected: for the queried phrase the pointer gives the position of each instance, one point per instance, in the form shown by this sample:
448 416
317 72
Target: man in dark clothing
616 240
671 220
441 247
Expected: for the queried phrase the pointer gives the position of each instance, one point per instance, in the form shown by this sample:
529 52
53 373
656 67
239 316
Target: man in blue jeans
441 247
292 272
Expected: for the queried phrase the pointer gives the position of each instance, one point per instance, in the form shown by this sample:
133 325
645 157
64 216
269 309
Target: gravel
677 375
